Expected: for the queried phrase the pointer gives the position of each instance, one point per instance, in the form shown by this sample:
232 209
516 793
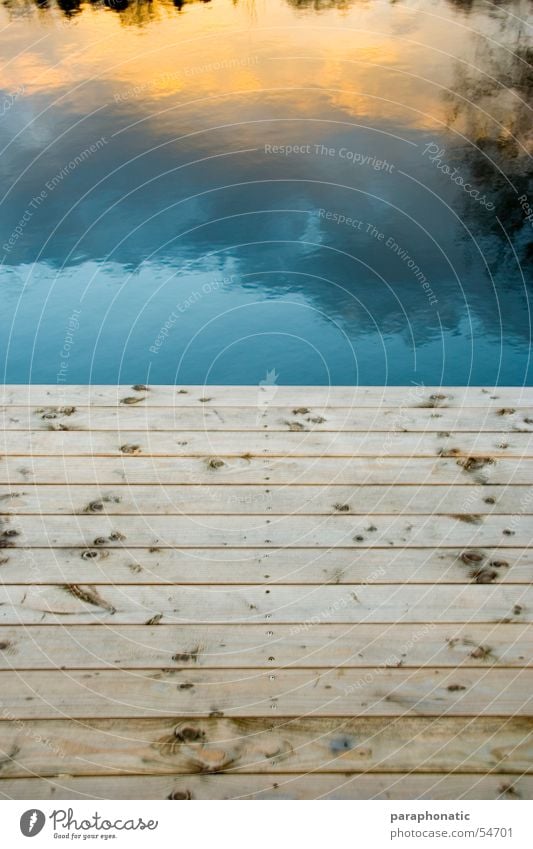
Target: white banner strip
268 824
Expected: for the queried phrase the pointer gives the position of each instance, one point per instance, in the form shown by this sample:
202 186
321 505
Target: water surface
298 192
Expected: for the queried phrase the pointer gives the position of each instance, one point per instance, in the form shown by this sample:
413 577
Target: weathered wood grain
189 693
19 499
102 565
338 745
214 470
305 605
238 443
206 417
327 590
249 646
217 531
268 395
283 787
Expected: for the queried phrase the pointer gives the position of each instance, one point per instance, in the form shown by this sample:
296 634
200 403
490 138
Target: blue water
219 192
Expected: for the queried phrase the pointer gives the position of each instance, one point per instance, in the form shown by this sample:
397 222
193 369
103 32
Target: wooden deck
266 592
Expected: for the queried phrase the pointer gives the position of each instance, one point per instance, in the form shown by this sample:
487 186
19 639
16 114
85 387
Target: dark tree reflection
146 10
133 12
490 105
69 7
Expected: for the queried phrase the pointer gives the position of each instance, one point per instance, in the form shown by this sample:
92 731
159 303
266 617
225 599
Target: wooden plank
238 444
134 604
19 499
208 417
297 787
247 646
338 745
267 395
333 745
188 693
101 565
204 531
351 592
352 471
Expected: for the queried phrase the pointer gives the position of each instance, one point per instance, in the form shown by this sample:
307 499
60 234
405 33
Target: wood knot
186 656
180 794
6 540
473 464
449 452
468 518
189 734
484 576
508 790
211 760
480 653
470 557
116 536
155 620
